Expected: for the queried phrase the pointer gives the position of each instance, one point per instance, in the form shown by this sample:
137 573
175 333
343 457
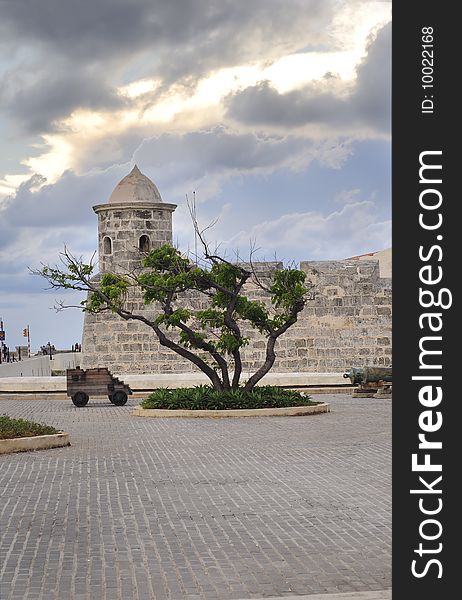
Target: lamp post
49 348
2 339
26 333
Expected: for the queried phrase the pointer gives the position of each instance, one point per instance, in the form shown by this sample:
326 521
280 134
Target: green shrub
203 397
14 428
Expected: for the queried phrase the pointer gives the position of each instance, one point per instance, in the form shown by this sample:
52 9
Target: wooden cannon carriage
81 384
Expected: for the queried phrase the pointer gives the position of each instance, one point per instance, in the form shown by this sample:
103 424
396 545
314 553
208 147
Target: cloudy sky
276 113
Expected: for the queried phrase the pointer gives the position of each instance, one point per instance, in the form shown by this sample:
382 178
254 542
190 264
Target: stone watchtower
134 220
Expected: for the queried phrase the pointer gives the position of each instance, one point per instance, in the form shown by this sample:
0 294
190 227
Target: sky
276 114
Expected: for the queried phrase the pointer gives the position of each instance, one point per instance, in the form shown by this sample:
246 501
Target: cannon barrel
368 375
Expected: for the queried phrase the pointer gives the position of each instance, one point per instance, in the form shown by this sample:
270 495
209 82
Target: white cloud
351 230
347 196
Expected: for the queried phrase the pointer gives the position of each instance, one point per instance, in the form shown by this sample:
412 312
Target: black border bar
427 240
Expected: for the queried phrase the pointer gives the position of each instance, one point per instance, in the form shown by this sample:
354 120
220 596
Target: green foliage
194 340
204 397
229 342
70 278
14 428
169 274
210 318
287 288
114 288
166 259
226 276
255 312
180 315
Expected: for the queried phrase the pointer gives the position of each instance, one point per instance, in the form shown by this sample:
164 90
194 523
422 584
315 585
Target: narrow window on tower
144 243
107 245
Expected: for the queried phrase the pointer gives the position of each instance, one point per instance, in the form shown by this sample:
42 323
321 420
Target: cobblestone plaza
200 509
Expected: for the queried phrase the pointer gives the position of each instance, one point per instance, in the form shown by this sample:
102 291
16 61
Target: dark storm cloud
262 104
368 105
87 28
68 201
78 52
54 95
98 29
218 149
170 159
205 160
373 90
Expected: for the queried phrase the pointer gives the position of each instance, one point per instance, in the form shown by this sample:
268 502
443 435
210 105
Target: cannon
368 375
83 383
371 381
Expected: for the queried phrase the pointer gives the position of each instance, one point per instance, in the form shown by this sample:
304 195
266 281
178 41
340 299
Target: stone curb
291 411
158 380
38 442
141 394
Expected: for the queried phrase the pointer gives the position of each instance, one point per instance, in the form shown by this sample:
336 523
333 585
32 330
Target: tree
210 338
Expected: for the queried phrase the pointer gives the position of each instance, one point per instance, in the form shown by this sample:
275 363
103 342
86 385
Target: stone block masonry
121 229
347 323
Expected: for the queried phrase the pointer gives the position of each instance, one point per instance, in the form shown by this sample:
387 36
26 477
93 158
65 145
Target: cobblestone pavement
197 509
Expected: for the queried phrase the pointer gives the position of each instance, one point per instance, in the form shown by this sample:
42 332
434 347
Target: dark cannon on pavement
371 381
81 384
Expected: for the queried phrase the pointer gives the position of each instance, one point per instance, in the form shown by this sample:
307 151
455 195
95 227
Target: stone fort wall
347 323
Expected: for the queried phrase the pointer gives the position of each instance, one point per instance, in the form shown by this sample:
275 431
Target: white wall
40 366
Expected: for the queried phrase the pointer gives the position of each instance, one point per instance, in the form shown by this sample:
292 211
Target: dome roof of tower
135 187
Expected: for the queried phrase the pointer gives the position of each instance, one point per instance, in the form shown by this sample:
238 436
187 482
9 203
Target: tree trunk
168 343
165 341
263 370
270 354
237 369
226 385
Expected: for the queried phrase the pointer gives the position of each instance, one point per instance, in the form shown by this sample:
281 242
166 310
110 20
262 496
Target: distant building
384 258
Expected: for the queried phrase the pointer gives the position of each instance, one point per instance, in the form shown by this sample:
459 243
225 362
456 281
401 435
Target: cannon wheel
80 399
119 398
